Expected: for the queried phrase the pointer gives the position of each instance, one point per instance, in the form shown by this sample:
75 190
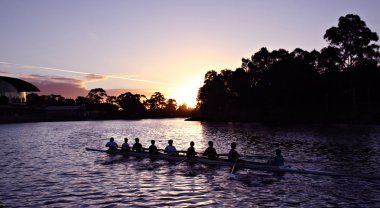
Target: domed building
14 90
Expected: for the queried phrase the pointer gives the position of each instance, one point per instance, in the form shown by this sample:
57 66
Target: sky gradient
69 47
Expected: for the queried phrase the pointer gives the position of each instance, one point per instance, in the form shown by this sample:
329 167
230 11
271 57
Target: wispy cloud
101 76
67 87
70 87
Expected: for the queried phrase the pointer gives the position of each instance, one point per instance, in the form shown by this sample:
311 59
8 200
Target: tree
53 100
353 39
289 85
261 61
80 100
183 108
69 101
33 99
131 103
213 95
111 99
97 95
329 60
156 102
171 105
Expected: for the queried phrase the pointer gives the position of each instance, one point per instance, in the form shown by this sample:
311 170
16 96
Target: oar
186 157
173 166
246 156
232 175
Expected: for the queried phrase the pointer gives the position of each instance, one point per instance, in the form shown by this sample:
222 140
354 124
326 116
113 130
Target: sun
187 93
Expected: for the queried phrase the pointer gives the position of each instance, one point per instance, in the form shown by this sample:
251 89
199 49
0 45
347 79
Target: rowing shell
239 164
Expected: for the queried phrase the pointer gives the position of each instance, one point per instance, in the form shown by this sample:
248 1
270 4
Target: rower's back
153 148
137 147
210 152
191 150
112 145
170 149
125 145
278 160
233 154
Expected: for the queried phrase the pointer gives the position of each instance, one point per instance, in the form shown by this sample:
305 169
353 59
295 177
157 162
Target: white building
14 90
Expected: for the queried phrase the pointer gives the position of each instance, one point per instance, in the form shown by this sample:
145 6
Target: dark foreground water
46 165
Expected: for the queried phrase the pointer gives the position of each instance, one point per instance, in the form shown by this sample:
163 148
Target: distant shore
34 119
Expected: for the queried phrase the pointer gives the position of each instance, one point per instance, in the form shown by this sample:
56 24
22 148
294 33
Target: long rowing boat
239 164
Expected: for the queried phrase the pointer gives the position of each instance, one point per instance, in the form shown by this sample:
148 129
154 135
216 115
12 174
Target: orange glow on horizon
187 93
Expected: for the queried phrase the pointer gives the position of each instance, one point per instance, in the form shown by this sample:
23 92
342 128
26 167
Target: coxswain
137 147
233 155
170 149
153 148
210 152
277 160
112 145
125 146
191 151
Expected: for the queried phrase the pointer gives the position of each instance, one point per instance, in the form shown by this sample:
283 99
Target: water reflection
44 164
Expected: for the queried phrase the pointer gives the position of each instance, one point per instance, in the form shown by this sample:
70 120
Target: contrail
86 73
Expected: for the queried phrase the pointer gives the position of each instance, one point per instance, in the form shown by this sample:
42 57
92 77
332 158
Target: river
46 165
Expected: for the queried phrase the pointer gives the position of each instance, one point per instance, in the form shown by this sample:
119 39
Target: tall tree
353 39
171 105
97 95
131 103
213 95
156 102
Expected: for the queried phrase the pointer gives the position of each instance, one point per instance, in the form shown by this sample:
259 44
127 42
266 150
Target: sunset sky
69 47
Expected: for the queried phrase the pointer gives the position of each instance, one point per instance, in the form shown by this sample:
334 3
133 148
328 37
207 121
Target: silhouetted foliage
80 100
126 105
171 106
156 102
131 103
340 82
111 99
353 39
97 95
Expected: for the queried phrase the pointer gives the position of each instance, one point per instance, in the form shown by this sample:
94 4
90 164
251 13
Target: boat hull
240 164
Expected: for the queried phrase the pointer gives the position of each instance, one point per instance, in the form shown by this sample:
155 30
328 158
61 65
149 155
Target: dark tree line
126 104
341 82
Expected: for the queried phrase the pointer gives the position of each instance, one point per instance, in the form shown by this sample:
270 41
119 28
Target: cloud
94 77
117 92
87 74
67 87
70 87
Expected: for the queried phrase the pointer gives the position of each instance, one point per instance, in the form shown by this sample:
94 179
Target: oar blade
231 176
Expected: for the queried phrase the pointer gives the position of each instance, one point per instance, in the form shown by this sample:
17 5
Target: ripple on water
45 165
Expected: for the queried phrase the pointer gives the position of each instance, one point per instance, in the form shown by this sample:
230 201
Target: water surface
45 164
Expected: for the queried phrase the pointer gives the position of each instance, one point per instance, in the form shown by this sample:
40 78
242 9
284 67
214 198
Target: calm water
45 164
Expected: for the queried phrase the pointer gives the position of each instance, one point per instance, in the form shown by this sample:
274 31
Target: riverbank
293 118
